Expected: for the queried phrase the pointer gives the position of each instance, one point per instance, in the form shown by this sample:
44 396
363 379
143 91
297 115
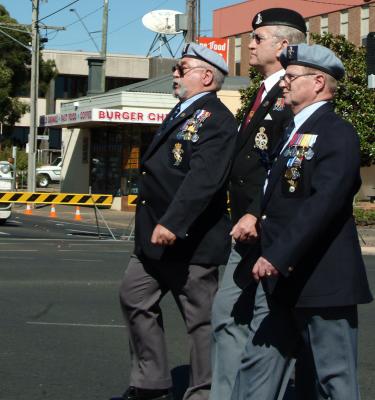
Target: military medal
261 139
299 148
194 138
309 154
190 128
177 153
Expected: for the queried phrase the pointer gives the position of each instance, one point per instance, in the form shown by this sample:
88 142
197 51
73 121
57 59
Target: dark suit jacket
248 171
309 235
183 187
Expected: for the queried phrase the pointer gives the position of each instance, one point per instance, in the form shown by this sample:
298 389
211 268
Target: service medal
261 139
194 138
309 154
177 153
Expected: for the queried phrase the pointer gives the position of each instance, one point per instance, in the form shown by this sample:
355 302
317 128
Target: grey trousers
193 287
231 315
324 341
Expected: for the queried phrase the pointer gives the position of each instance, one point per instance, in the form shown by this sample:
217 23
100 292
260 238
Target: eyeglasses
288 78
182 70
258 38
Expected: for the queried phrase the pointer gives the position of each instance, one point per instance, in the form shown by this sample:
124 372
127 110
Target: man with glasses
311 269
259 134
181 227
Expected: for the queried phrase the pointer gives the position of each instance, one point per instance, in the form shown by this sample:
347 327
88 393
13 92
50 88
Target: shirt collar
188 102
273 80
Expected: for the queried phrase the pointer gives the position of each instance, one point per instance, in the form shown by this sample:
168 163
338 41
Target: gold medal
261 139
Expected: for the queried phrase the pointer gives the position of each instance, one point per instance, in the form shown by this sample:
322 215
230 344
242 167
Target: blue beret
314 56
195 50
279 16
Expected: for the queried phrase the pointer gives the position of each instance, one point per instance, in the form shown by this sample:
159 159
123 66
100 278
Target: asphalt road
62 335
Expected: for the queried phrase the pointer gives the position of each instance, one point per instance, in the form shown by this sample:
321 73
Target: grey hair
330 81
292 35
218 76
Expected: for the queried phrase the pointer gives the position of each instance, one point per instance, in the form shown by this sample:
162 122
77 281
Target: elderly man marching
181 227
311 269
258 136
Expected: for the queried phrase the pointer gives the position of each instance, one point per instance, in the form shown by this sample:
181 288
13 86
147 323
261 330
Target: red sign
216 44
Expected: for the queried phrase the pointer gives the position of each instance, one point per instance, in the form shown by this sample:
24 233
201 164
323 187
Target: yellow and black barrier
73 199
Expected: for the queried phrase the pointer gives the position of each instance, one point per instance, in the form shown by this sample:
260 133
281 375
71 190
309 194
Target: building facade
71 82
105 136
352 18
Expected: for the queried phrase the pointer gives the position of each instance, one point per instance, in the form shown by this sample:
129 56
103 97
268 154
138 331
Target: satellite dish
161 21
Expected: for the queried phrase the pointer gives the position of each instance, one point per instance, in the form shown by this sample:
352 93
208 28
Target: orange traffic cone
52 213
28 210
77 216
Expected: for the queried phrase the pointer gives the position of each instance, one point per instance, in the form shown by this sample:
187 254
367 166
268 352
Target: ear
207 77
281 46
320 82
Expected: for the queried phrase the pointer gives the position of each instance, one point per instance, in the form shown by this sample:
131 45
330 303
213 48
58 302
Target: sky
126 33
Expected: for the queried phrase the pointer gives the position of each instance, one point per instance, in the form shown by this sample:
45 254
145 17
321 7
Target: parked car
49 173
6 185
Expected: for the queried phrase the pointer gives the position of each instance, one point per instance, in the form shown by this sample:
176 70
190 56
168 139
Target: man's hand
162 236
245 229
263 268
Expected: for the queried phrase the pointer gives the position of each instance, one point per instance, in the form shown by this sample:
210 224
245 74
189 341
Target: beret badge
259 19
292 53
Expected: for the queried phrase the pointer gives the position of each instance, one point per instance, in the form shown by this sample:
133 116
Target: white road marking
75 325
80 260
5 233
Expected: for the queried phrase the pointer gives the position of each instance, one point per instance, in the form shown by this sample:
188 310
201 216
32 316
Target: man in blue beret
181 215
259 134
310 267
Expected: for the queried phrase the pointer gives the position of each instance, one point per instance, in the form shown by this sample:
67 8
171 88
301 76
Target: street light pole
34 88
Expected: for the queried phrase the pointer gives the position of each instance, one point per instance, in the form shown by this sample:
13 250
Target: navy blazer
309 235
183 186
249 171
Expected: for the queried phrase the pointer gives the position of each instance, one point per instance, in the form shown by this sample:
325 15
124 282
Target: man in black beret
181 215
259 135
310 270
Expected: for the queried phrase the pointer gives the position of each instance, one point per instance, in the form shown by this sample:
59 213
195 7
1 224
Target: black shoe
134 393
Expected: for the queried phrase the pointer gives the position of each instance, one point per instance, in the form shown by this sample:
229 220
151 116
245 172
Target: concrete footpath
125 220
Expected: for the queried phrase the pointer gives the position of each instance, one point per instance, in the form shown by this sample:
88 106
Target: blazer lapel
169 126
307 126
246 132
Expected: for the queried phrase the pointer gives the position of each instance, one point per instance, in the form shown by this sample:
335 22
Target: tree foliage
353 101
15 71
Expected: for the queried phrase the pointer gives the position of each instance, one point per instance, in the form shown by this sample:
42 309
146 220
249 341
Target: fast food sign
219 45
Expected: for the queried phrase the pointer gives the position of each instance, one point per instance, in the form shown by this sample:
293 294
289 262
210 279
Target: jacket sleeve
334 181
208 171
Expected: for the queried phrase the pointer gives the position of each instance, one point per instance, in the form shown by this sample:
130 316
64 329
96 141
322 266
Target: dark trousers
193 286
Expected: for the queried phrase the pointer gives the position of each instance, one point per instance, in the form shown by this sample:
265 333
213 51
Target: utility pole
191 21
34 88
103 52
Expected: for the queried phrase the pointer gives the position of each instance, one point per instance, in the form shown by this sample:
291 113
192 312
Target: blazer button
143 202
290 269
263 217
248 156
241 182
143 172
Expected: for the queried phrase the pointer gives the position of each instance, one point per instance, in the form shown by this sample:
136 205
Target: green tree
15 61
354 101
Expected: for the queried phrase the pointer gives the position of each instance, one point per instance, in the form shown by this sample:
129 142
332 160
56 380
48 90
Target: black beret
279 16
314 56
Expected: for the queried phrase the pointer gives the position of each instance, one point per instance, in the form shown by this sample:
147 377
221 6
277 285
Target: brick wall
334 23
355 26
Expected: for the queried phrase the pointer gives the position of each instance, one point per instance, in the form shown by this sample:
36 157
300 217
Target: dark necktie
256 104
287 132
175 112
